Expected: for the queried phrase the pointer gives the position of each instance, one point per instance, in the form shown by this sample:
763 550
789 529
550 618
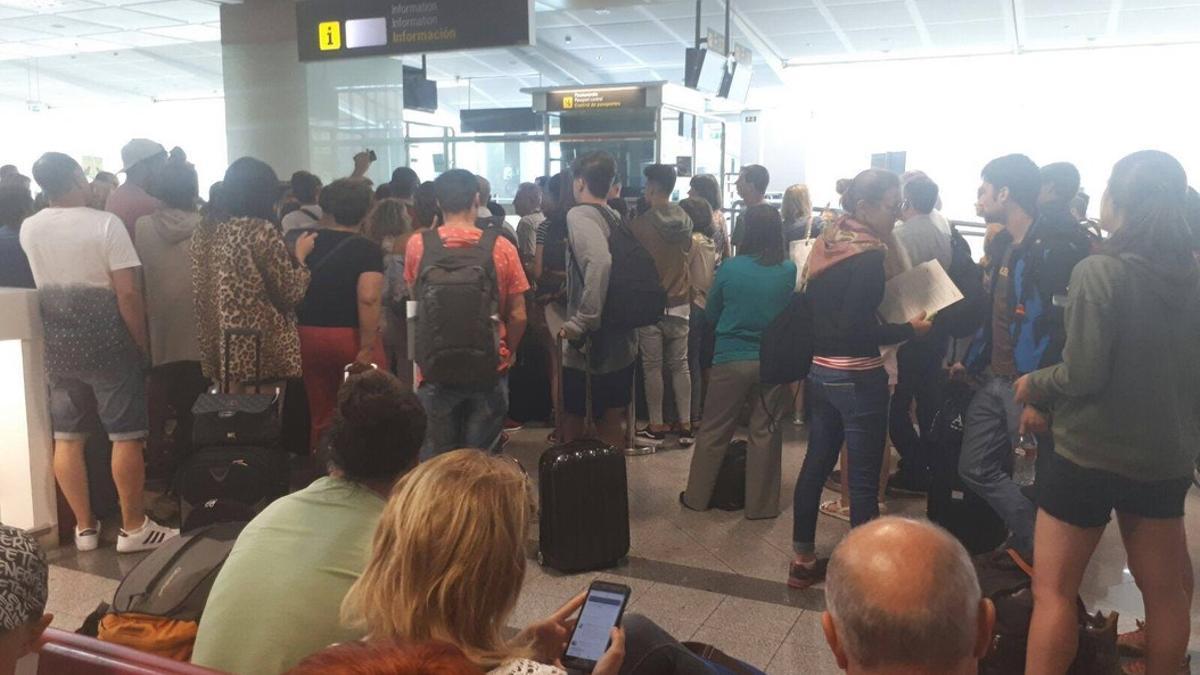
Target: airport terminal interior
871 106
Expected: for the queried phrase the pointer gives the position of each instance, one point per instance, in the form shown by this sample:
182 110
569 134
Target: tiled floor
711 577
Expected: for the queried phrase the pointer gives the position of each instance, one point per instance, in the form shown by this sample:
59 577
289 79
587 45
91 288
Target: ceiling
62 52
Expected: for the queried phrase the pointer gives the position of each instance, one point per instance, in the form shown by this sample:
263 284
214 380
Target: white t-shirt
72 253
298 218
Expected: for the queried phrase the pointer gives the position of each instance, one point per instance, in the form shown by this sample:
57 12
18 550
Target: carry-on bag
584 494
951 503
224 418
158 605
252 473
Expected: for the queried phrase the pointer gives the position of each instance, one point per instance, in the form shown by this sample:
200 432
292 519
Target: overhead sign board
616 98
340 29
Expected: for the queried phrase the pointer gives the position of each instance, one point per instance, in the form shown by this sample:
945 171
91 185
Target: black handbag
222 418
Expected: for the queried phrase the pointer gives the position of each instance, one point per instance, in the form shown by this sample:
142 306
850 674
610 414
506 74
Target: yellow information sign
329 34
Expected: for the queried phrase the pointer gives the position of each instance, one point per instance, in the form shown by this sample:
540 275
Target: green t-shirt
744 299
278 597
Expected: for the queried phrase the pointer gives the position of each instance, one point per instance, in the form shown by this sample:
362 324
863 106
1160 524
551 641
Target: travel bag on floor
584 494
951 503
158 605
252 472
729 494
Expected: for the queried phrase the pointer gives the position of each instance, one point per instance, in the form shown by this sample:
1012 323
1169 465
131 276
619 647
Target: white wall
953 115
101 129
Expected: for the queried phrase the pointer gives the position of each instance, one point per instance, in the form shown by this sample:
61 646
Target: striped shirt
855 363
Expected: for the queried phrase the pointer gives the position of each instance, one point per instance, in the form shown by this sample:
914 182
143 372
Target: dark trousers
921 379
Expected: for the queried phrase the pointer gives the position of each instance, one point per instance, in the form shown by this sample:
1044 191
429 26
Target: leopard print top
244 277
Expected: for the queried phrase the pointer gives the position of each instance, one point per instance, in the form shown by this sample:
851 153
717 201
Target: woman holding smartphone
417 587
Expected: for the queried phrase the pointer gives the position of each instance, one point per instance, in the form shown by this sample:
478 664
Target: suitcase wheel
541 559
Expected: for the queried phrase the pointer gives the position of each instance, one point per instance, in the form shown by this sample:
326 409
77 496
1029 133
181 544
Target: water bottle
1025 460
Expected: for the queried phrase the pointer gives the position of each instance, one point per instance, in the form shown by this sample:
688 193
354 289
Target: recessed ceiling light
603 12
567 39
57 25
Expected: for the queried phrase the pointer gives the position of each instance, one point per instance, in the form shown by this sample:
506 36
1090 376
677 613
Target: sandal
801 577
834 509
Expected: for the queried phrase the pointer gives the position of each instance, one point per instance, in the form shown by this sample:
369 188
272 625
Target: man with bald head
902 598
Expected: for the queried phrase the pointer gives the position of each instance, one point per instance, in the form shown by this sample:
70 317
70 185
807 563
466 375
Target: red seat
62 653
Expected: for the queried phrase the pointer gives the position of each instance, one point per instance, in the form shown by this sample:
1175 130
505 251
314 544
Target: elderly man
903 599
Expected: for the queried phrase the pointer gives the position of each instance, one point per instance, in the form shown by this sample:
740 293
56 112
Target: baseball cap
139 150
24 579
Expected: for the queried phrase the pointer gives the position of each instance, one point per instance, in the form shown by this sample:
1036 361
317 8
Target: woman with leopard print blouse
245 278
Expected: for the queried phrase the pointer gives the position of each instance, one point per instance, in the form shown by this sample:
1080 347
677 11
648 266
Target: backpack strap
333 253
607 214
310 214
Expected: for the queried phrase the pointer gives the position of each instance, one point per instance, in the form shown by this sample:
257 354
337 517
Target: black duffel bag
221 418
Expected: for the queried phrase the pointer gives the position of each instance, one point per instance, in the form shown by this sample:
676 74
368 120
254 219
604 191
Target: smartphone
372 155
602 610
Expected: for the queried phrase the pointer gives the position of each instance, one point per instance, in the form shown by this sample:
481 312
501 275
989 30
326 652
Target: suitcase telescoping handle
231 333
589 421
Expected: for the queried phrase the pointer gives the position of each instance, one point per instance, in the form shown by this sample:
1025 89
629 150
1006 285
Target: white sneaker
89 539
149 536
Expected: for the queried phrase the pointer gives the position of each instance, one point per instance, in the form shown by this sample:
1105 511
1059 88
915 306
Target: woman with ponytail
1126 402
848 384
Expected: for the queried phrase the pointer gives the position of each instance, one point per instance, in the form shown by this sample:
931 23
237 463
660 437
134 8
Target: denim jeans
666 344
850 406
458 417
697 337
989 436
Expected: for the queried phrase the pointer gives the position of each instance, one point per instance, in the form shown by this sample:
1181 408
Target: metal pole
728 36
699 11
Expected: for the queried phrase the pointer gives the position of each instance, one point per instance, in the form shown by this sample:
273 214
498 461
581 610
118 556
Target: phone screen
600 614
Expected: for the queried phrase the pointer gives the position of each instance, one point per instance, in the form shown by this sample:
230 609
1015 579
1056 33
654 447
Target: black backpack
457 291
636 296
551 284
963 318
786 350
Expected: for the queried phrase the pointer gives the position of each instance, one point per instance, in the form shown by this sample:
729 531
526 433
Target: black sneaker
651 438
905 483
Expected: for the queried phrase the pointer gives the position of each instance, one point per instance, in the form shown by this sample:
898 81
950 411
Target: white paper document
924 288
799 251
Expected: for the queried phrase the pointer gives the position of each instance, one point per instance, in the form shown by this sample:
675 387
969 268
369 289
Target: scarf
847 238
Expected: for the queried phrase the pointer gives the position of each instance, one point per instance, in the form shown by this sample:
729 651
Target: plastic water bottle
1025 460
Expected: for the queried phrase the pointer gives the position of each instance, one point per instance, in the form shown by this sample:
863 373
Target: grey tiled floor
711 577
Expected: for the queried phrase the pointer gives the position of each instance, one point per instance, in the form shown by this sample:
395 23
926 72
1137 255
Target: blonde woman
797 213
448 564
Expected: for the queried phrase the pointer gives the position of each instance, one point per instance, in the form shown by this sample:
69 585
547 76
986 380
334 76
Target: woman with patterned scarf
848 384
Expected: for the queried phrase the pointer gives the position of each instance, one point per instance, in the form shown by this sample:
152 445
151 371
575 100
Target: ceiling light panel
187 11
124 19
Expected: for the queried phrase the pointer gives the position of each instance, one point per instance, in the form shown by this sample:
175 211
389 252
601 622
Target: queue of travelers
1079 348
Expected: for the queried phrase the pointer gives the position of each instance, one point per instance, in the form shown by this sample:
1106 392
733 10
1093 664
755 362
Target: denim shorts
117 395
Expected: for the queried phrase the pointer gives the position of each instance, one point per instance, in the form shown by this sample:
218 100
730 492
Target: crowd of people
1081 346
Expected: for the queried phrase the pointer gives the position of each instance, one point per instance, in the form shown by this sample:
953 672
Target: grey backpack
458 343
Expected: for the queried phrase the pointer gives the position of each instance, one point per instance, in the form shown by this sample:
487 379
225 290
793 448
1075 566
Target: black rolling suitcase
238 457
584 494
951 503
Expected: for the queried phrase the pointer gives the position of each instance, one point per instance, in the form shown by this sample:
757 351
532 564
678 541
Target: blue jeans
989 435
458 417
849 406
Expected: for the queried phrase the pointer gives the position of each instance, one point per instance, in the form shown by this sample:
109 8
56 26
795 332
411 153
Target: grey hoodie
666 232
164 244
589 263
1126 397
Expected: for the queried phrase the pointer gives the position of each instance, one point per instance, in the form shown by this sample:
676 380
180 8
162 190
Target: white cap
139 150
